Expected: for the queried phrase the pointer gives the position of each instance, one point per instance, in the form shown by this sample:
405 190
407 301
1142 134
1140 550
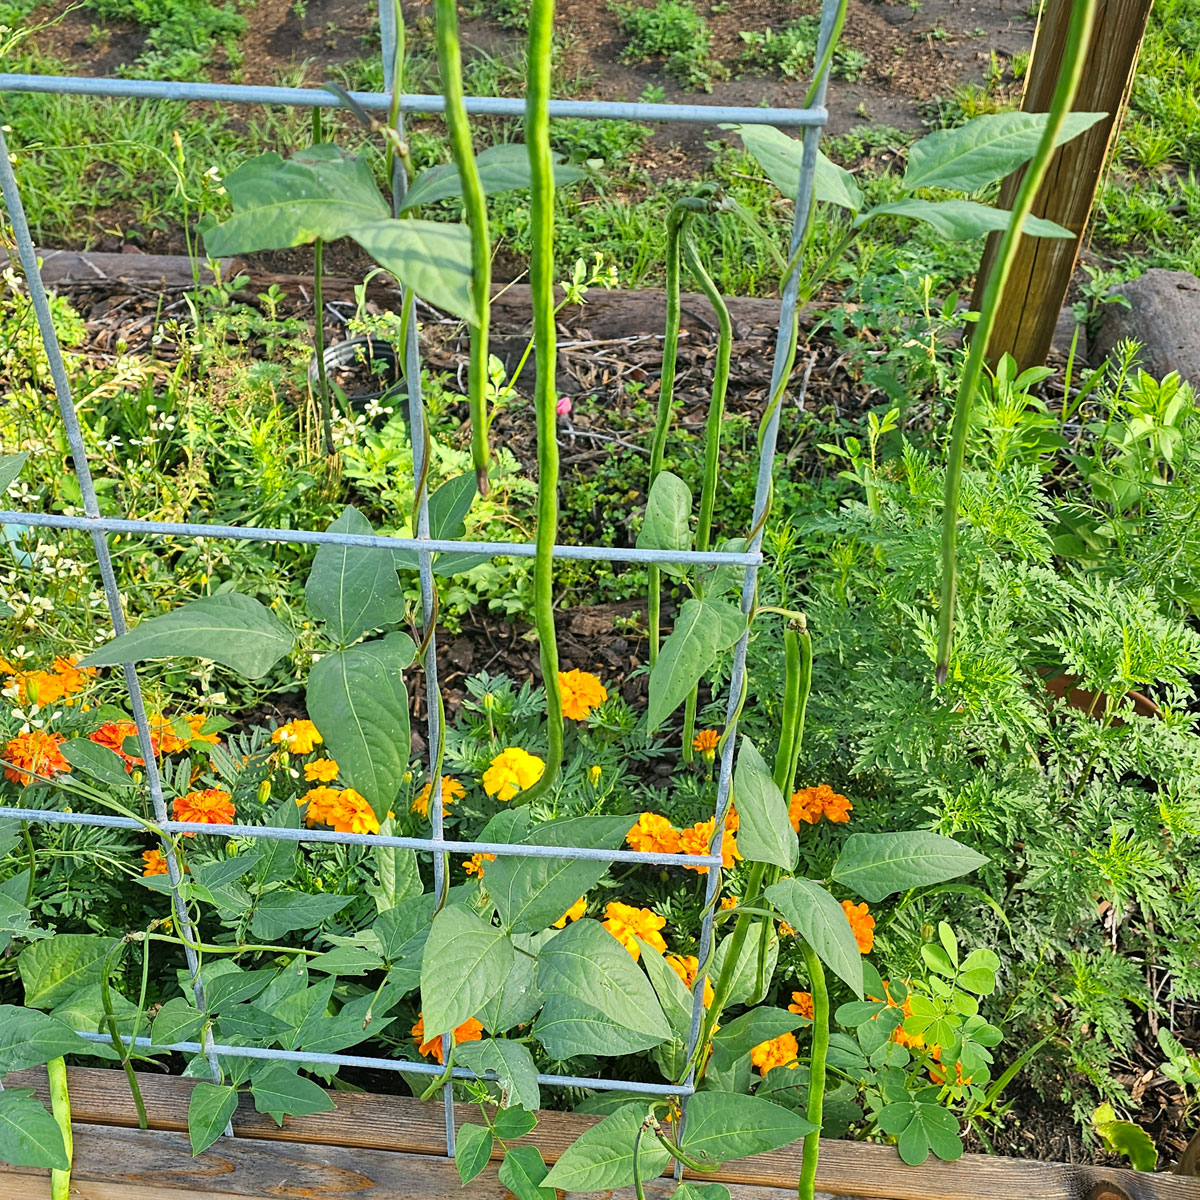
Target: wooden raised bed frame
391 1148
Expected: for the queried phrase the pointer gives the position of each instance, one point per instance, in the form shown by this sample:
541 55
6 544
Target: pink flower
563 407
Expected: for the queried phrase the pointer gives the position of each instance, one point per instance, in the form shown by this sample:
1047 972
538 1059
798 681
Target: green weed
676 31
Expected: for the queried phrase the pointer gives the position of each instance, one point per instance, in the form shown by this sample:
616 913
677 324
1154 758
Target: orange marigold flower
802 1004
167 739
573 913
196 723
728 902
627 923
38 688
810 804
862 923
686 966
653 834
297 737
778 1052
512 771
321 770
474 864
451 790
697 839
114 735
156 864
705 743
34 753
322 802
785 930
581 692
469 1031
353 813
211 806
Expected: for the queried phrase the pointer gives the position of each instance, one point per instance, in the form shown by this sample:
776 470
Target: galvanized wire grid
810 120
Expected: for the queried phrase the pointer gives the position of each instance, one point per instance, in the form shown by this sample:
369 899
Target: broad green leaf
97 762
702 630
473 1151
513 1123
962 220
231 629
672 993
668 523
568 1027
588 965
176 1021
221 872
532 893
985 149
15 919
877 864
280 1091
765 833
512 1063
358 701
29 1038
29 1135
745 975
919 1127
54 970
1124 1137
399 874
278 203
279 912
602 1158
761 1024
721 1126
502 168
303 1010
224 990
431 257
821 921
353 589
346 960
780 156
518 1001
83 1009
209 1111
480 956
688 1190
396 928
278 861
523 1172
448 508
11 466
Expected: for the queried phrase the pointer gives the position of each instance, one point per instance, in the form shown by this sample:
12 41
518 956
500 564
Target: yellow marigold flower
353 814
594 773
474 864
581 692
469 1031
686 966
802 1004
210 806
810 804
728 902
626 923
705 743
653 834
778 1052
785 930
573 913
321 801
156 864
321 770
297 737
512 771
862 923
451 790
196 723
34 753
696 840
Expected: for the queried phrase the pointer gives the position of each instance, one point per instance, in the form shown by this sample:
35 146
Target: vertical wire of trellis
811 120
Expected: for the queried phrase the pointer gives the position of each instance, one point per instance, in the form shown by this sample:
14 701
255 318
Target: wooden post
1042 271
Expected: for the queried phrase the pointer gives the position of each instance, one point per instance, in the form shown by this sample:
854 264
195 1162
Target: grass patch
673 30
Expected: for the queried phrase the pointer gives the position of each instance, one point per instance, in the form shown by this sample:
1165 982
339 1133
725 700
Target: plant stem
60 1106
1078 36
541 279
475 207
114 1031
816 1076
319 323
32 862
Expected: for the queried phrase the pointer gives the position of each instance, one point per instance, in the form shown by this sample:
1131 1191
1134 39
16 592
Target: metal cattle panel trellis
810 120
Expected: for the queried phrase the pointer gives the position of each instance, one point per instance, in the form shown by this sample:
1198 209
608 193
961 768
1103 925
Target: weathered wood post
1042 271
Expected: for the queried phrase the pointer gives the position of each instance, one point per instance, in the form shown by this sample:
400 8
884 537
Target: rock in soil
1163 315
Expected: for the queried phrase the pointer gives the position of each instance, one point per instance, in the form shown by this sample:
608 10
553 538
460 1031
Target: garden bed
342 1154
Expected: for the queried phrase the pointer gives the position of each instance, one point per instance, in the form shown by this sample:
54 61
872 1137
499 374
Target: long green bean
816 1072
319 323
60 1106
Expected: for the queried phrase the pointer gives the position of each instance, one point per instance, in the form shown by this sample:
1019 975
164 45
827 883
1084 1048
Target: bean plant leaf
702 630
765 833
29 1135
523 1172
279 912
700 1191
985 149
920 1126
481 956
602 1158
668 522
29 1038
780 156
97 762
11 466
877 864
278 861
431 257
962 220
176 1021
278 203
821 921
353 589
209 1111
513 1066
722 1126
358 701
672 993
279 1090
502 168
513 1122
473 1151
54 970
745 974
448 508
231 629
